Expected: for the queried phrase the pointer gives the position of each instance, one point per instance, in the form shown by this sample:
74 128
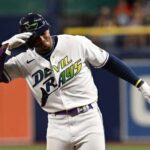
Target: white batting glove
145 90
16 41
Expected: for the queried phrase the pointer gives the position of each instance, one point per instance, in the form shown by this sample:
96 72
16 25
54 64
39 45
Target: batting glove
16 41
145 90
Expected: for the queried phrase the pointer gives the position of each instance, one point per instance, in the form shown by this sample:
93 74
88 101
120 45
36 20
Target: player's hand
145 90
16 41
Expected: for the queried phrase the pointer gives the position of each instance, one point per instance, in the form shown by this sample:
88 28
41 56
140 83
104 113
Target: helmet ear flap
31 41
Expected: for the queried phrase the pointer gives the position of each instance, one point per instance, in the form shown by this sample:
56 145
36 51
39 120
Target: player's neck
54 42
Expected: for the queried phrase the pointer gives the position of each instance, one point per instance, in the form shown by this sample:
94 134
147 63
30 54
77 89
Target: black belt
74 111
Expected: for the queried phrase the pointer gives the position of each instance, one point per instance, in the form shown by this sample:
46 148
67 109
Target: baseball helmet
34 23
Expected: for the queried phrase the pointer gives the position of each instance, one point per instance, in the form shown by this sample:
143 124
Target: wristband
4 49
139 83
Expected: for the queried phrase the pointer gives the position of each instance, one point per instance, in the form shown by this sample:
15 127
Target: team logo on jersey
47 82
62 64
45 78
70 69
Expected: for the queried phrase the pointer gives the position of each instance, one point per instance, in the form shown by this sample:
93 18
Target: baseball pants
82 132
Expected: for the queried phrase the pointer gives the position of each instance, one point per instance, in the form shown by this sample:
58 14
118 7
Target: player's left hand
145 90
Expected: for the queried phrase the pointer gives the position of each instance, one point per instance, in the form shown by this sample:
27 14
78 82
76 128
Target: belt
74 111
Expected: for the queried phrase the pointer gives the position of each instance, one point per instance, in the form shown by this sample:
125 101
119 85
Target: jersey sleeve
96 56
12 69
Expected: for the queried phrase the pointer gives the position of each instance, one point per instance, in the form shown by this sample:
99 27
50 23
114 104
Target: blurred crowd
125 14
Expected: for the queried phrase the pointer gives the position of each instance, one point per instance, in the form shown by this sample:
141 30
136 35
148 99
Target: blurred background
122 27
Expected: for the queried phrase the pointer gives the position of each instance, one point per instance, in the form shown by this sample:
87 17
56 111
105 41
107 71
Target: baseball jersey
65 81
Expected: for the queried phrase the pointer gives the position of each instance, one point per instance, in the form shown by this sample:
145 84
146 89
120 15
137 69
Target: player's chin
47 45
44 47
42 50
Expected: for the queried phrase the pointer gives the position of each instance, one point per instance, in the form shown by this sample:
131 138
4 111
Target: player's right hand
16 41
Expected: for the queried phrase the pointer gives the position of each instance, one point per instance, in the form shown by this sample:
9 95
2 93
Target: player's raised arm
6 47
120 69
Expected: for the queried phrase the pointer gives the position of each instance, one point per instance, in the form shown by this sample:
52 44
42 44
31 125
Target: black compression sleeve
120 69
2 60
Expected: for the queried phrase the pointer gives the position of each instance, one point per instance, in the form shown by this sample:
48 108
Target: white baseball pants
82 132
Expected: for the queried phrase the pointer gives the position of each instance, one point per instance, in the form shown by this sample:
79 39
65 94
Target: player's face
43 43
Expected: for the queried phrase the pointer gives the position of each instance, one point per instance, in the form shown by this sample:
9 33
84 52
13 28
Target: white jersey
65 81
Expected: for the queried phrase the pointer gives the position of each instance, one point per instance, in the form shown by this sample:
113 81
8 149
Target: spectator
147 19
137 20
105 19
123 12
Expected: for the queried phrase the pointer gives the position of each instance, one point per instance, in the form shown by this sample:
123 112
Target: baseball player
57 70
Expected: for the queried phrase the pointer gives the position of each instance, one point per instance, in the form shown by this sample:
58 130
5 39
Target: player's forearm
2 60
120 69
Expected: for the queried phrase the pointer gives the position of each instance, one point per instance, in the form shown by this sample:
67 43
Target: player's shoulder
24 55
69 37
